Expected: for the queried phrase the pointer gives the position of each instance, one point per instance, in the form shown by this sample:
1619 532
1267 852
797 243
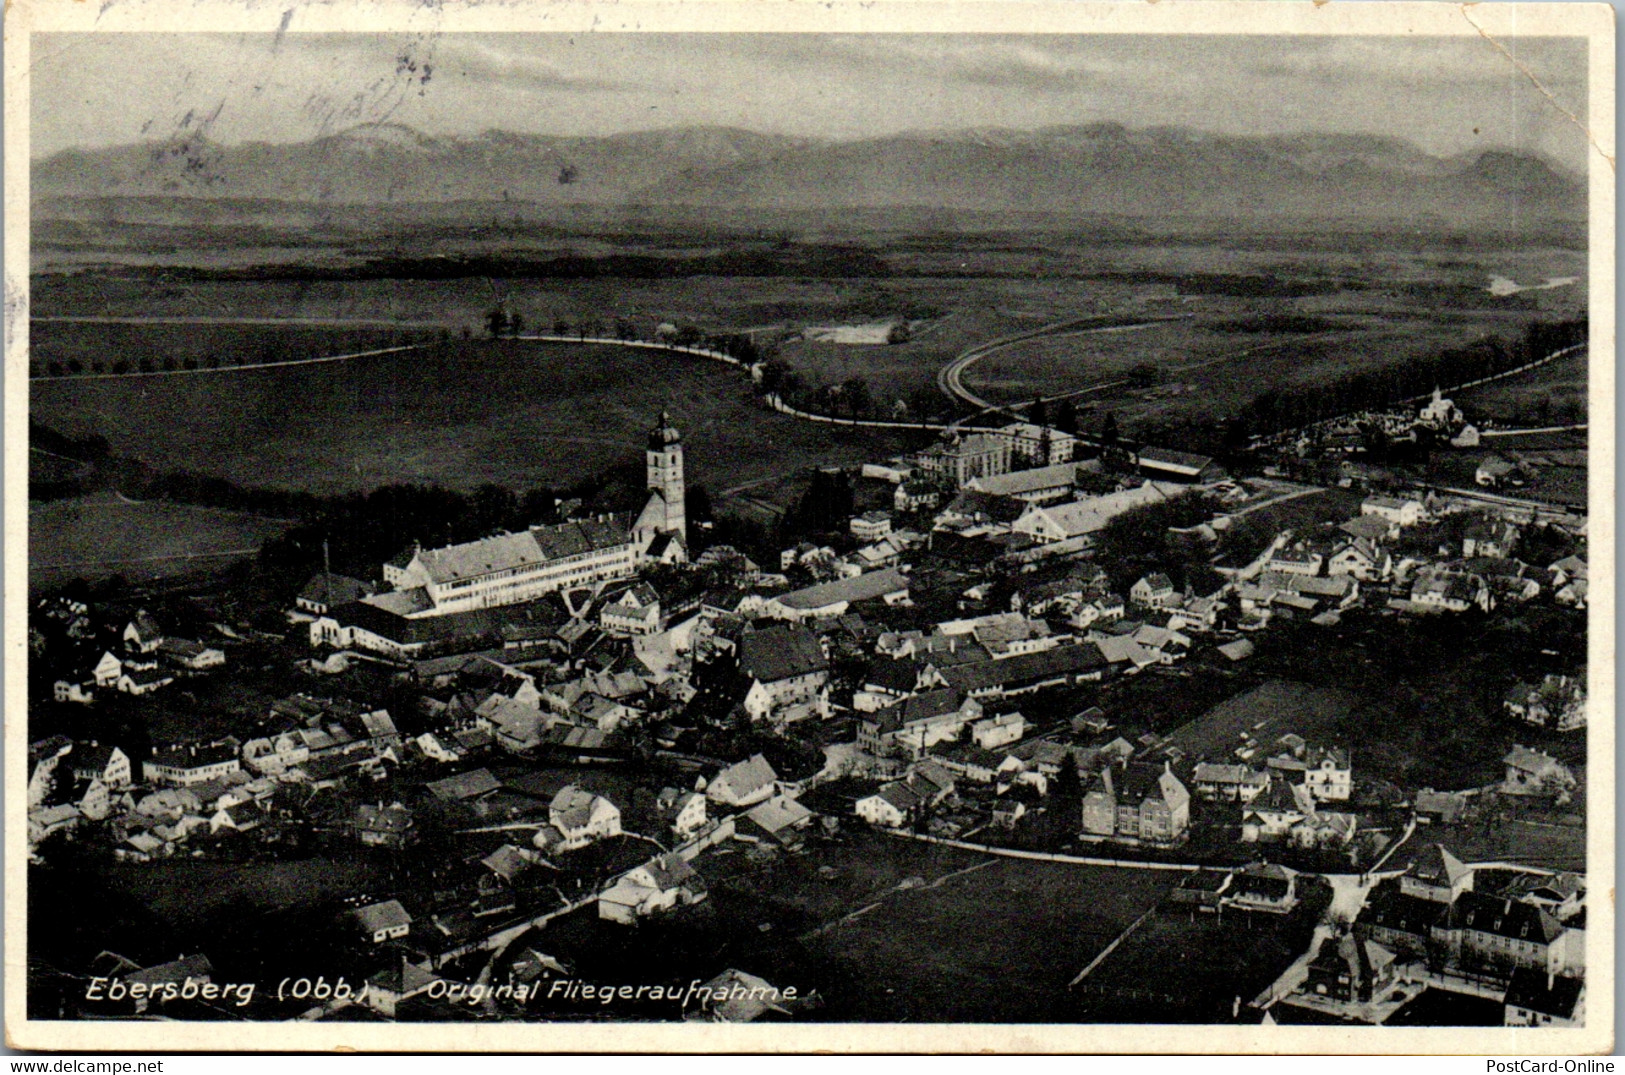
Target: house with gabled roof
1138 802
1349 969
634 611
786 666
582 817
736 997
1072 524
1059 665
1154 591
1543 1000
999 731
1437 875
464 786
1396 511
885 682
683 811
1038 485
326 591
187 764
893 806
242 817
1263 886
1498 932
385 921
1220 782
142 634
829 599
383 825
743 783
1297 558
1534 772
1168 464
192 656
101 761
1361 558
658 885
1451 591
1556 702
1276 812
917 723
974 763
780 819
1401 922
1489 537
605 714
107 670
143 681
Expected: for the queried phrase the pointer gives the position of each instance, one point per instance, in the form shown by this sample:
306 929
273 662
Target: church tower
664 459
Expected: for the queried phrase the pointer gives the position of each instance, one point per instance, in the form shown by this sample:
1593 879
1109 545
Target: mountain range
1102 168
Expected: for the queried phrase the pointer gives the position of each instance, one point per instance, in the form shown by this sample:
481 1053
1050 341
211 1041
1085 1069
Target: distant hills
1097 169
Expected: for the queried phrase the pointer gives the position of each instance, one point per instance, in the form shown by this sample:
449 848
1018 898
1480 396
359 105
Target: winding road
951 378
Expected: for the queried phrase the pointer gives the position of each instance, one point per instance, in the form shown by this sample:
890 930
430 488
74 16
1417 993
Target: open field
1554 394
1259 310
1550 845
185 894
948 951
1180 966
153 912
459 413
1205 366
100 535
1265 714
1432 715
932 931
108 347
1558 473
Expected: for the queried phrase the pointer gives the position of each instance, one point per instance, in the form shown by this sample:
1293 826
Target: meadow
103 534
1255 310
884 929
996 944
1267 713
459 413
1554 394
102 346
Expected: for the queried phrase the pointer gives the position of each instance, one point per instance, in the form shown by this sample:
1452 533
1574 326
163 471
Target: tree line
258 349
1291 406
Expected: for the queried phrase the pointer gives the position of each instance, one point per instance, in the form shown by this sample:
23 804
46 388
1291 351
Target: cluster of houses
1322 573
581 644
1557 702
143 660
184 792
1517 936
1352 434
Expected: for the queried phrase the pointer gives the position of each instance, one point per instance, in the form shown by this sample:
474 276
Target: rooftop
858 588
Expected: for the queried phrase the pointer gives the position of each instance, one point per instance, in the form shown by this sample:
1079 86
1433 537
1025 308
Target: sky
1448 95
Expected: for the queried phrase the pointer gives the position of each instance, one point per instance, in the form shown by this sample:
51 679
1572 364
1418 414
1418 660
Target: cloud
515 68
1448 95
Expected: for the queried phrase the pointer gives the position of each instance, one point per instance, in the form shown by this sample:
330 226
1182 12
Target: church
511 568
662 526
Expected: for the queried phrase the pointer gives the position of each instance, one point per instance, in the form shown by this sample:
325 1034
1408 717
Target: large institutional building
511 568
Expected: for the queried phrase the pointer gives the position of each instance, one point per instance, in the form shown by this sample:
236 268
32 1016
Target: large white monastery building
511 568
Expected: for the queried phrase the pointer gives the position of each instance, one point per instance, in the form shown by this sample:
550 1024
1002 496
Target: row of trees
236 350
1298 405
501 322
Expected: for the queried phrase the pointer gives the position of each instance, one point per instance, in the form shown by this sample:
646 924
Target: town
608 745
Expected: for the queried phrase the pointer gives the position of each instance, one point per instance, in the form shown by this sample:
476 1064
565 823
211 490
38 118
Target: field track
303 322
233 369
